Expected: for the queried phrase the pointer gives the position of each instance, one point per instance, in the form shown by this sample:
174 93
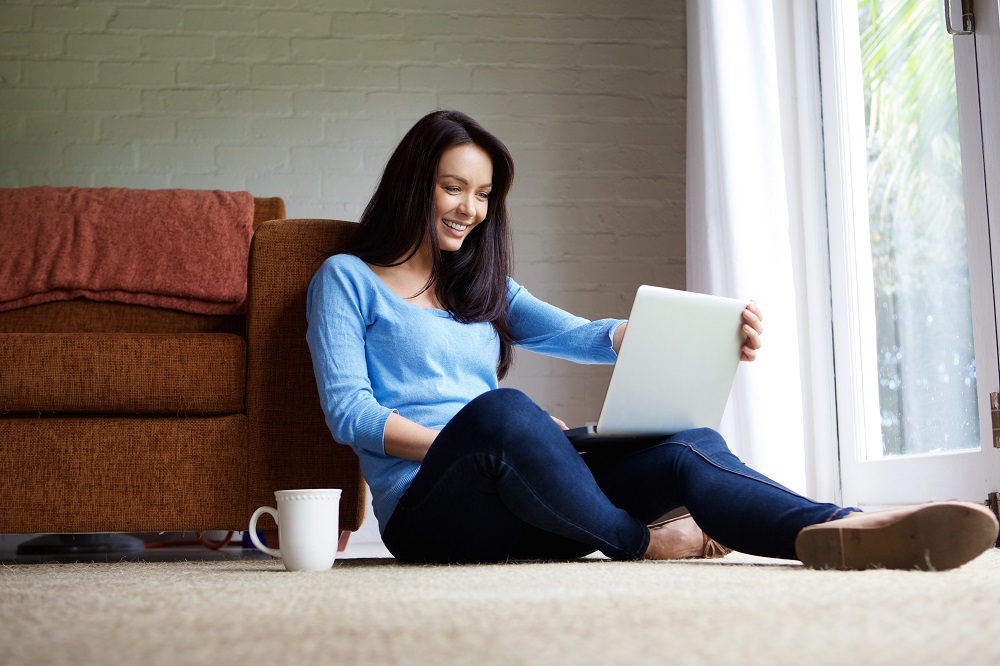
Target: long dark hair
471 283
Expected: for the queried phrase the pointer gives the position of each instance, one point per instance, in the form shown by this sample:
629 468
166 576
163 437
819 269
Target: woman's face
461 193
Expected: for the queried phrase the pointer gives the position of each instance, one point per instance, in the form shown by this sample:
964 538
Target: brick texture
306 98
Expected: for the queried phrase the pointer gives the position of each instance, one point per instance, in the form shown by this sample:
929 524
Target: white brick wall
306 98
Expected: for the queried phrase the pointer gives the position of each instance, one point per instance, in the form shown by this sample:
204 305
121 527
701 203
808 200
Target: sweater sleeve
546 329
336 307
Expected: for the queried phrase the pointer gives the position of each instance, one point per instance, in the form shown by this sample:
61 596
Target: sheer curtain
756 225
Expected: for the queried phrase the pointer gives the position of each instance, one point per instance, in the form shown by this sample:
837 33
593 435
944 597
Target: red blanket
179 249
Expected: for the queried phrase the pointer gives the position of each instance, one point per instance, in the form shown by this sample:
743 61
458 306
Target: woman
410 331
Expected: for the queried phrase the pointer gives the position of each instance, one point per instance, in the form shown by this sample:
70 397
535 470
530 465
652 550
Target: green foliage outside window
926 362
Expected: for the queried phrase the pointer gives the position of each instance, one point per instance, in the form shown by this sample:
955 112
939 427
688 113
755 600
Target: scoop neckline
384 287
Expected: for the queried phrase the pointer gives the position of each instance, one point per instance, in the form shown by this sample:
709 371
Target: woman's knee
508 417
500 406
705 440
501 397
507 425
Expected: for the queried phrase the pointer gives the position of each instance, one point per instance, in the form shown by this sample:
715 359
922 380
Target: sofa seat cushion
122 373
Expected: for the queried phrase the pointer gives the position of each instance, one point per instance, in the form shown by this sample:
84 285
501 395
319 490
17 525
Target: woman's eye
484 195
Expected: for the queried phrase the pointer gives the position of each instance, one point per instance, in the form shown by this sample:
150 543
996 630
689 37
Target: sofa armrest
267 208
290 444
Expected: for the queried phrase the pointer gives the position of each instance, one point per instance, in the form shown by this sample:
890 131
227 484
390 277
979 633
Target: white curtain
756 225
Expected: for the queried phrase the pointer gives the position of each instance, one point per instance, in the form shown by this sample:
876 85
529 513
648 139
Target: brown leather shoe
930 537
713 550
710 549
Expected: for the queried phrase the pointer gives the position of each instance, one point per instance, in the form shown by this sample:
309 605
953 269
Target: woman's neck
421 262
409 279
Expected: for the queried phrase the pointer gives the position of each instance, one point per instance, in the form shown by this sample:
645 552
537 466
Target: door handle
968 23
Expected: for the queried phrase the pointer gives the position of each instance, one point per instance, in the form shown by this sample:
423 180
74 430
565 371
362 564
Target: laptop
675 368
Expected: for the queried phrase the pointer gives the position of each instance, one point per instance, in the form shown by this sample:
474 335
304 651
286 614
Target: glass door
914 323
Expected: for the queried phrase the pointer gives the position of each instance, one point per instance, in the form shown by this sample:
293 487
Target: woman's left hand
754 328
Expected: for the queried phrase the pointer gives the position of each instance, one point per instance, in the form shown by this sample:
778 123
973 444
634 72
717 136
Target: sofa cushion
122 373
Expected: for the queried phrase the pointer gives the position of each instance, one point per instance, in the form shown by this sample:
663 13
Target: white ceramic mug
308 528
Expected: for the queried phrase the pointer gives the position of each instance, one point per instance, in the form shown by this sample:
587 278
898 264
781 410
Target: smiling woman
409 334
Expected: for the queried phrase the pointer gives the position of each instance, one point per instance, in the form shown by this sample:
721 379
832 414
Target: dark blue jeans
501 481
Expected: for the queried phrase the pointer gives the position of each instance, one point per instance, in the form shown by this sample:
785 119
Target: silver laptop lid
676 364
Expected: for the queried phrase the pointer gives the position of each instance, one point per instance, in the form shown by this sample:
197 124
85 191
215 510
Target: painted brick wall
306 98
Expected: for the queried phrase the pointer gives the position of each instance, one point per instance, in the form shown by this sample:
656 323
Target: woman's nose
466 207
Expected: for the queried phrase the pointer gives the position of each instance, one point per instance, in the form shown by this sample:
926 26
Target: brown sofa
125 418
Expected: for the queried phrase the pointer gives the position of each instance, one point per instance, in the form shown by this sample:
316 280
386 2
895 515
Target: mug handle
273 552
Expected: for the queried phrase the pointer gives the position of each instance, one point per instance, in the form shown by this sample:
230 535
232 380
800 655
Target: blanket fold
179 249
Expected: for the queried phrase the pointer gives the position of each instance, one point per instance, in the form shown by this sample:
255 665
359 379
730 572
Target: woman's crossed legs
501 481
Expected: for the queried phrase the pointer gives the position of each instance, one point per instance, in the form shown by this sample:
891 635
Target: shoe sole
933 537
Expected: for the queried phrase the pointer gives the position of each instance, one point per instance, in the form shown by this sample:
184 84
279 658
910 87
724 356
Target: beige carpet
739 610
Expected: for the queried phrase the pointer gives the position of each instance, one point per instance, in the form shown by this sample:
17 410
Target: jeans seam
725 468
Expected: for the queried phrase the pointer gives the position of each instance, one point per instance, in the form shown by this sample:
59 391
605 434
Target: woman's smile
457 226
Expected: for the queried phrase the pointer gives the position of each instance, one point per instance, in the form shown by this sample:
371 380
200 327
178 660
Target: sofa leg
342 544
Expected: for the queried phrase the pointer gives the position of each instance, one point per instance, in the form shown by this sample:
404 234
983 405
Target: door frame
883 482
987 55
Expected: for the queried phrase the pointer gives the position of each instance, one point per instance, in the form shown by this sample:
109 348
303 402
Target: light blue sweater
375 353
